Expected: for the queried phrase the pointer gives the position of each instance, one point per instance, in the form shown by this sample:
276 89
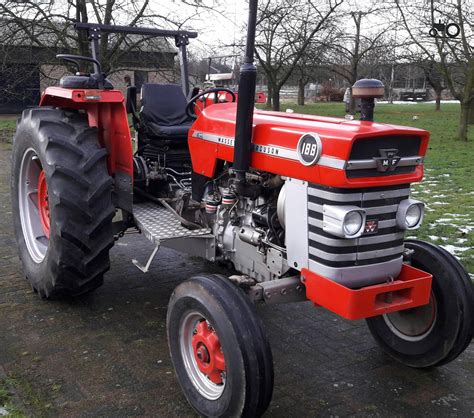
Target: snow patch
453 249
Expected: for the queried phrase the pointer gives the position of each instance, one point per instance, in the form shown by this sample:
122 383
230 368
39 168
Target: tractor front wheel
61 201
218 347
436 333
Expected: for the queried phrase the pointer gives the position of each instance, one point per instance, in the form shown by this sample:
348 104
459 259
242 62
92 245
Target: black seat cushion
163 111
83 82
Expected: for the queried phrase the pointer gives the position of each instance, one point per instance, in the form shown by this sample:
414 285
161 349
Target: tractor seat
83 82
163 111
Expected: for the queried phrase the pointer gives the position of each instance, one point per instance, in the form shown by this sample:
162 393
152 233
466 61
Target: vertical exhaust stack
246 103
367 90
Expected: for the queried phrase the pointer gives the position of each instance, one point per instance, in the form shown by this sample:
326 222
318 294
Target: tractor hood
340 152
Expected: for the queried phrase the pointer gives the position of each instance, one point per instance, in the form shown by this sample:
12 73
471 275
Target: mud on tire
61 147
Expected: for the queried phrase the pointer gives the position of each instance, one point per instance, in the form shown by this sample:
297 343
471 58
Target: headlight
343 221
410 214
353 223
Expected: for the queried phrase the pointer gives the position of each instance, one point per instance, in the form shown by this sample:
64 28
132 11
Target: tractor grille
381 204
362 163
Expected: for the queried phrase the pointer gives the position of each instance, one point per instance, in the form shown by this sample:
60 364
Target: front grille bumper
362 160
361 261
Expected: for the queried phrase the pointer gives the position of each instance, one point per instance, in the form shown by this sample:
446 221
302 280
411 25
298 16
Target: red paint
208 353
284 130
43 204
412 288
106 111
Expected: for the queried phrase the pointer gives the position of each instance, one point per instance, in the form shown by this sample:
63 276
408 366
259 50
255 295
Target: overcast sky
217 27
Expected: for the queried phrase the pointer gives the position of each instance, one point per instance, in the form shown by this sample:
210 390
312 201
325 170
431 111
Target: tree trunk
269 94
471 114
301 87
438 101
463 121
276 99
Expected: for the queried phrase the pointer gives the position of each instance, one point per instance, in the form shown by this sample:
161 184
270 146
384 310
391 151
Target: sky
218 27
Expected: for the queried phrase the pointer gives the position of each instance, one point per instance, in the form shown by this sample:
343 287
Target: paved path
107 355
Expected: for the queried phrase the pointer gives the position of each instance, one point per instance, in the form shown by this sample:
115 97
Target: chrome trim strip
218 139
367 164
332 162
378 239
331 241
380 253
316 222
273 150
364 240
336 197
332 257
386 194
389 223
379 210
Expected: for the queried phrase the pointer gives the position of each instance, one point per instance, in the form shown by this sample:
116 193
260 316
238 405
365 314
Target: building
27 67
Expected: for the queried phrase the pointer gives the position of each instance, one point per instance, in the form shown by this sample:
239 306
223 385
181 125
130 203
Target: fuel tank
328 151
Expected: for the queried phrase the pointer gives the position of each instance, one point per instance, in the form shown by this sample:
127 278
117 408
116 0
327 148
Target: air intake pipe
367 89
245 104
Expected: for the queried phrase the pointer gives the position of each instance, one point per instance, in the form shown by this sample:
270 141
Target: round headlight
353 223
413 215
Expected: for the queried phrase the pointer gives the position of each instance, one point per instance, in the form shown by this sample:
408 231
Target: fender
106 112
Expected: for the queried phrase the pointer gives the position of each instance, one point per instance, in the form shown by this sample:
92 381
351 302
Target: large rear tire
219 350
437 333
62 202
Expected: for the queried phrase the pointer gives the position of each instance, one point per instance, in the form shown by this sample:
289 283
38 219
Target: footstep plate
159 224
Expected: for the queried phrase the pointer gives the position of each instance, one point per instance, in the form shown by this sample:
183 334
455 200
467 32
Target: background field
448 188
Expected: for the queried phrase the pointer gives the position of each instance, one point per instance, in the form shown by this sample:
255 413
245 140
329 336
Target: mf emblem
309 149
388 160
371 227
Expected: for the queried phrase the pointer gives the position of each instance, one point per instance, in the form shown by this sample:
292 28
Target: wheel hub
43 204
208 352
413 324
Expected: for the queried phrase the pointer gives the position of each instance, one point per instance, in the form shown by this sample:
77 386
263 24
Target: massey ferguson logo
388 160
309 149
371 227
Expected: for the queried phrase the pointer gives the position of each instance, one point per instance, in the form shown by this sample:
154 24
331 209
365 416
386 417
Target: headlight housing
344 221
410 214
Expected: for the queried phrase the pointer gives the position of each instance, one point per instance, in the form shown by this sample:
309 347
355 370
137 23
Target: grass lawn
448 188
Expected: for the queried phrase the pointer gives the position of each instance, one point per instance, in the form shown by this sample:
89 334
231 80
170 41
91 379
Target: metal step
159 224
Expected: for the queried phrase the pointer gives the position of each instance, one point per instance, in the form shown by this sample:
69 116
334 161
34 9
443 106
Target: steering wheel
192 103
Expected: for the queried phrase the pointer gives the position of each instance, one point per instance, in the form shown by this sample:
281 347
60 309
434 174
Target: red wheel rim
43 204
208 352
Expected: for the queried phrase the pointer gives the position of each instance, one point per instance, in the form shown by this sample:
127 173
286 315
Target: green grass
448 186
7 127
6 399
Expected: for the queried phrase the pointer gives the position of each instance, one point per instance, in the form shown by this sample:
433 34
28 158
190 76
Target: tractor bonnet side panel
275 140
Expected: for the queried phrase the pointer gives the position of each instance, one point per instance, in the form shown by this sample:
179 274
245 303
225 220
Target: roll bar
181 38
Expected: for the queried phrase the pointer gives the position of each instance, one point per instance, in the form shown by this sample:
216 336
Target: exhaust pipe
245 104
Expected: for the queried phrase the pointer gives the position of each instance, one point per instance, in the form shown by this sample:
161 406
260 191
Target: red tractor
302 208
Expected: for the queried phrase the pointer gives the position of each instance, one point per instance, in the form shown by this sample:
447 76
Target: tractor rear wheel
437 333
219 350
62 202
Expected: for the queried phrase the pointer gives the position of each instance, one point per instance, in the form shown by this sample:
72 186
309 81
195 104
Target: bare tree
358 41
285 29
453 56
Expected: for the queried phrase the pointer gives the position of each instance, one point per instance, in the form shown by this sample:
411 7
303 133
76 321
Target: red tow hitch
411 288
208 353
43 204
